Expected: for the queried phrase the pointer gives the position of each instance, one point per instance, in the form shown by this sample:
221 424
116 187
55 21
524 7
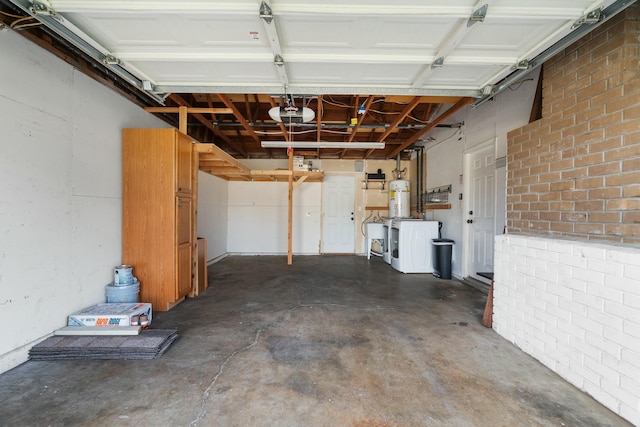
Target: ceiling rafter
451 111
217 132
367 105
236 113
359 121
258 49
183 103
247 107
319 114
403 115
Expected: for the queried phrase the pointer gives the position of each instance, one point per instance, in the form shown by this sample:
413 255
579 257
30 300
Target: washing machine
410 246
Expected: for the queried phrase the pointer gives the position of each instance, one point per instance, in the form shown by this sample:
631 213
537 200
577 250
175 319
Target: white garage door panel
386 45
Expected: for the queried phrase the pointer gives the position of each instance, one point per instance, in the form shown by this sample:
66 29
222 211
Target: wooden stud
290 215
182 119
191 110
195 159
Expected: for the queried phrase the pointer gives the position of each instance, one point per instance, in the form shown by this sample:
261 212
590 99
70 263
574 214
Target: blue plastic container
123 293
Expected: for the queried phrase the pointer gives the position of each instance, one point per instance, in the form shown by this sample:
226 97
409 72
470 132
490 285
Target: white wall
213 214
444 166
60 192
574 306
258 218
491 120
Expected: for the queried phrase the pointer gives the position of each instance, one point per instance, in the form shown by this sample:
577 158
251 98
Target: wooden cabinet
157 225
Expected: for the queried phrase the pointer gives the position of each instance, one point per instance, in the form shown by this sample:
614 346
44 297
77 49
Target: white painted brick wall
575 306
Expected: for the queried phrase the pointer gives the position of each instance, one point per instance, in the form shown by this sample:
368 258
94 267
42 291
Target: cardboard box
114 314
298 163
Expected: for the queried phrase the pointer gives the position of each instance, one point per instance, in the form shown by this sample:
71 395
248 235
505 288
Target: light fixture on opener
290 113
320 144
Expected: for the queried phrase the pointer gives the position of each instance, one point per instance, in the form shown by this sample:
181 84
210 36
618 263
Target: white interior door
338 230
480 215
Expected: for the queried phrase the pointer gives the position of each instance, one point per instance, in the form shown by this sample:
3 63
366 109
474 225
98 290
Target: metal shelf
367 181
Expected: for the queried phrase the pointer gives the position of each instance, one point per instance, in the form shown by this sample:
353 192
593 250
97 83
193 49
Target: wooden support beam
195 167
202 119
451 111
394 125
300 181
190 110
271 172
217 132
290 212
367 105
226 171
221 154
182 119
360 120
226 101
319 114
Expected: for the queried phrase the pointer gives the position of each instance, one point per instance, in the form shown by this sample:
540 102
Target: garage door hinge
43 8
478 15
111 60
592 17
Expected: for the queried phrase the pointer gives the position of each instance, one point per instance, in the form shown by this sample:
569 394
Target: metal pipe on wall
420 179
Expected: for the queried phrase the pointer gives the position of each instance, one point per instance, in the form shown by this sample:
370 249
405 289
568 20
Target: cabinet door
184 270
185 251
184 148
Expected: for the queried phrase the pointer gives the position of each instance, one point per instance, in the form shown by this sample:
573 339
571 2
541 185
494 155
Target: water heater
399 199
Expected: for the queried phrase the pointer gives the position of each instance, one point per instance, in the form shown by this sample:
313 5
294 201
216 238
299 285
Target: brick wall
574 306
576 172
563 292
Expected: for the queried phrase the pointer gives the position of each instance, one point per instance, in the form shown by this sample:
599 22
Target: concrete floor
327 341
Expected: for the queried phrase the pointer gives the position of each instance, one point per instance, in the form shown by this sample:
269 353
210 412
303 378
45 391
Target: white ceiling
328 46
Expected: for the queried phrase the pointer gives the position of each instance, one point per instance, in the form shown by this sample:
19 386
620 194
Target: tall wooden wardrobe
157 238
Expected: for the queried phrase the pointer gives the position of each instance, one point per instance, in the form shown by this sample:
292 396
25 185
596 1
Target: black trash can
442 249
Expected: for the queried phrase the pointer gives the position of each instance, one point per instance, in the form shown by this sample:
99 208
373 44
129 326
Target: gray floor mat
150 344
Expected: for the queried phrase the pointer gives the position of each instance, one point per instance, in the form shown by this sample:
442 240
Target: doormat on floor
150 344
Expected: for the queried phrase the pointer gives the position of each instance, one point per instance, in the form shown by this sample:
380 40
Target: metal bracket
590 18
478 15
438 62
278 60
265 12
43 8
111 60
522 65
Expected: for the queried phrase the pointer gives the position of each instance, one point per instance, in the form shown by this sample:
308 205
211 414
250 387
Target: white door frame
323 207
466 228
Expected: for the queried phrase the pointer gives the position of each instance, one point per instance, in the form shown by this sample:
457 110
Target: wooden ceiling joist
451 111
245 124
393 127
217 162
190 110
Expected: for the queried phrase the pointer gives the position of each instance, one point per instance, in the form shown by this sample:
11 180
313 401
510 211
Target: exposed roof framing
380 72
